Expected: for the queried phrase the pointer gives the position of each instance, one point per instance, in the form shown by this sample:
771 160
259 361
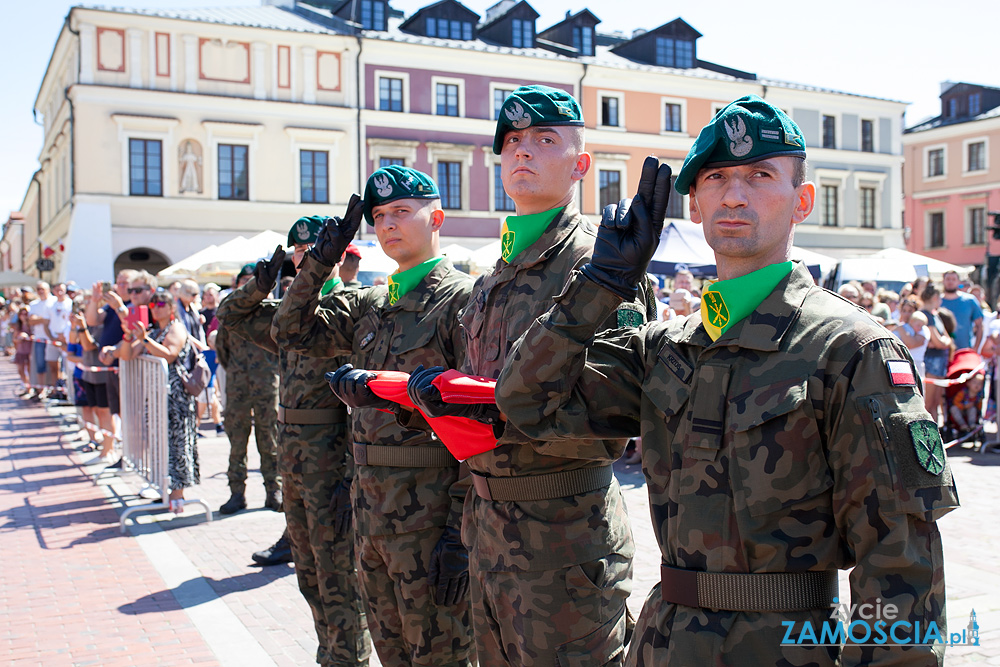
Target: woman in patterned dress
167 338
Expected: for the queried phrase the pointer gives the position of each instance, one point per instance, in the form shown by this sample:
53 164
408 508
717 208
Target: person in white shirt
912 330
39 314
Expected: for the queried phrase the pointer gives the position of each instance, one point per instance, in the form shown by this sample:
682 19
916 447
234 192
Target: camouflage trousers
567 617
408 627
324 566
666 633
241 403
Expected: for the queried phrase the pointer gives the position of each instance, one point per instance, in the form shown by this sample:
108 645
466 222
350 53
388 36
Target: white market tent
487 256
221 262
189 265
457 253
934 267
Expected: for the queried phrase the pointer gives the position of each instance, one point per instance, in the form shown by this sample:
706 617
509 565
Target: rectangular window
609 111
977 226
449 178
830 201
372 15
672 117
447 99
145 157
935 162
523 33
975 106
389 161
953 107
501 202
868 136
610 182
583 40
432 26
314 177
977 156
867 207
233 181
664 51
829 132
936 235
675 205
684 54
390 94
500 96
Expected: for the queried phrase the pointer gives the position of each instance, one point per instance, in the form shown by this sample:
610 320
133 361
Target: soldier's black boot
272 500
237 501
277 553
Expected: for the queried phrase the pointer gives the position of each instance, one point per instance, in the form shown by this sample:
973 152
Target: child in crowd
964 408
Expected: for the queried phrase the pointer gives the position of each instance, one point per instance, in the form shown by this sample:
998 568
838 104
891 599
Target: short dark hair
799 173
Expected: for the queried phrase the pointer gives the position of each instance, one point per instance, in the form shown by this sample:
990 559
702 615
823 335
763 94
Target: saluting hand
338 233
266 272
630 232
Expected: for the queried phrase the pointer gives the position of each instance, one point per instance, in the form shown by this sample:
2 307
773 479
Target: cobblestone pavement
180 591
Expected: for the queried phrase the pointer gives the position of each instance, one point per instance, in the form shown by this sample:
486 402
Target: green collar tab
726 302
403 281
329 286
520 231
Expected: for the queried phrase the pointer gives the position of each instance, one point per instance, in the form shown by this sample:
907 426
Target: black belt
403 456
729 591
542 487
313 417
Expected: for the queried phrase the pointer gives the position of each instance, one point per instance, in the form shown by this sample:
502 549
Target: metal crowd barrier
144 390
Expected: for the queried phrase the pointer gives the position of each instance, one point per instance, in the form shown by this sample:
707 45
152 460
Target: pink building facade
951 177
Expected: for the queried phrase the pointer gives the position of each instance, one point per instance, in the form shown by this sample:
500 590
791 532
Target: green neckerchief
520 231
726 302
329 286
402 282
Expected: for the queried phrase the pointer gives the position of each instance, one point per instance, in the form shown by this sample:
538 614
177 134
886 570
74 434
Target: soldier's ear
583 163
437 219
804 202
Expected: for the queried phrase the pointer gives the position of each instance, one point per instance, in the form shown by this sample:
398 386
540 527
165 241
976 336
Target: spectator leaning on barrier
169 340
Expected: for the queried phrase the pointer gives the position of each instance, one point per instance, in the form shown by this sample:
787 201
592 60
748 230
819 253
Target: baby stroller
964 400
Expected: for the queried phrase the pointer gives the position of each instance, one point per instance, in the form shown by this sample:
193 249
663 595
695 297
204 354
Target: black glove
428 399
340 507
266 272
337 234
630 232
350 384
449 571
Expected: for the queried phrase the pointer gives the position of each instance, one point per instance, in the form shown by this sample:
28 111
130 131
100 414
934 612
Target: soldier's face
749 211
299 253
540 165
405 229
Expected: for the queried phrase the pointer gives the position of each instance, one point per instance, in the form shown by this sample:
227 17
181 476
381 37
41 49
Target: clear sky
885 48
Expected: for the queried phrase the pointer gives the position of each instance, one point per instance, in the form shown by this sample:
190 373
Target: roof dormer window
672 52
448 28
372 15
583 40
522 33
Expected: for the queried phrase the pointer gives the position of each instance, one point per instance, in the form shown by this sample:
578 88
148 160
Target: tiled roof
274 18
940 121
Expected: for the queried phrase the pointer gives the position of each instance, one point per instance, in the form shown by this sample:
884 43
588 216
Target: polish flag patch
901 373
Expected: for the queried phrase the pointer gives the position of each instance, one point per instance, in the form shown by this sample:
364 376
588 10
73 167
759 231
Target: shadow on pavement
192 592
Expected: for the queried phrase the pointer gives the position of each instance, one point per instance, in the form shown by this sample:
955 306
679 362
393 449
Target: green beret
247 270
536 105
306 229
397 182
746 130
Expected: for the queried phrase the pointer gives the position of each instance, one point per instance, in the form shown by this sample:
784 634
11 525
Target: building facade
166 132
952 179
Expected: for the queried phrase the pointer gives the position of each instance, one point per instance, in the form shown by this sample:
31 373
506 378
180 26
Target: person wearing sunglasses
168 339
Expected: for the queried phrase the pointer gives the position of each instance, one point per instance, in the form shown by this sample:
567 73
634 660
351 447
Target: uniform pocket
603 646
371 342
666 384
779 460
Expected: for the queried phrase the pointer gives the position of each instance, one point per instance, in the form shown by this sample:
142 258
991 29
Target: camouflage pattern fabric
251 400
420 328
311 464
538 536
410 629
784 446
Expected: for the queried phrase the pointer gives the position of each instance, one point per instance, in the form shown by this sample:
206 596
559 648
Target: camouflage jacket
421 328
559 532
242 361
308 449
784 446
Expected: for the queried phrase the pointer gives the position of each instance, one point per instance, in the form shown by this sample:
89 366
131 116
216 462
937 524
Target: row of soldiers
445 528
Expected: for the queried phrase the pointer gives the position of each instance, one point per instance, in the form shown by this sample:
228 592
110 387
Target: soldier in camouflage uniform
407 491
251 397
313 436
784 433
547 530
